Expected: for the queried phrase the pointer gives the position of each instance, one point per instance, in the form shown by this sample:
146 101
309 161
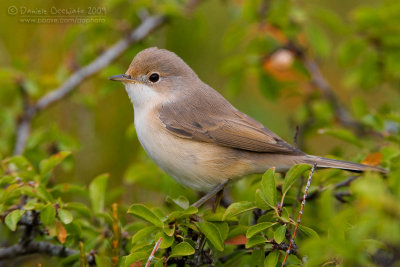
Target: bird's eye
154 77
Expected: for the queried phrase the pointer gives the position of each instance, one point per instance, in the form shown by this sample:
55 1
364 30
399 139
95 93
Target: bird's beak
121 78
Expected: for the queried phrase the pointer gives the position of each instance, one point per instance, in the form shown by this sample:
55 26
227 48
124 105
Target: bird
197 136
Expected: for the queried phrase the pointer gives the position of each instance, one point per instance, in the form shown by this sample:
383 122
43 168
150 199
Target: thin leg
218 198
209 195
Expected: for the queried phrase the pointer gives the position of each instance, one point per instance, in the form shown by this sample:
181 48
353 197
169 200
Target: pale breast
198 165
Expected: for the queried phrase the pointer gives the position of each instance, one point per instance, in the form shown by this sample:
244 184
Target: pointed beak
120 78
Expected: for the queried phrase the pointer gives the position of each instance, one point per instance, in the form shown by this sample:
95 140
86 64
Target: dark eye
154 77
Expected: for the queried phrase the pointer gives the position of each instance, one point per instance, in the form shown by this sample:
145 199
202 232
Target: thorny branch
303 202
145 28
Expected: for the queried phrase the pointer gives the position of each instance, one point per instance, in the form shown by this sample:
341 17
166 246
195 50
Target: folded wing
213 119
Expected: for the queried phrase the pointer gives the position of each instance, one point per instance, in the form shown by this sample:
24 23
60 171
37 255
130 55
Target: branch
340 111
338 195
36 247
300 214
151 257
44 248
347 181
319 81
148 25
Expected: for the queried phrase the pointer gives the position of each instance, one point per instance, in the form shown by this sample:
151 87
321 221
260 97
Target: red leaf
61 232
237 240
373 159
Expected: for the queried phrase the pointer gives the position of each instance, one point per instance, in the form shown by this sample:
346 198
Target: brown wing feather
211 118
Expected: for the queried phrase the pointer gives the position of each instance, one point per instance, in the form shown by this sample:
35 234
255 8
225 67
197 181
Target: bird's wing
214 120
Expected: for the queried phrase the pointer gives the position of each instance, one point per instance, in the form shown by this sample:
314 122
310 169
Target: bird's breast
198 165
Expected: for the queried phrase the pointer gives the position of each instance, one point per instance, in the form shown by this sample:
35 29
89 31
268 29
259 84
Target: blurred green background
233 46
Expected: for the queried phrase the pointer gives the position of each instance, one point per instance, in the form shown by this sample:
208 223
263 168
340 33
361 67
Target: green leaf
268 187
269 86
65 216
166 241
126 261
49 164
80 208
13 218
292 175
279 234
223 229
6 180
344 135
182 249
308 232
143 212
180 201
237 208
255 240
318 39
43 193
212 234
260 201
217 216
97 191
175 215
20 162
48 214
272 259
350 51
143 233
285 215
255 229
257 257
74 229
70 188
70 260
330 18
159 263
170 230
32 204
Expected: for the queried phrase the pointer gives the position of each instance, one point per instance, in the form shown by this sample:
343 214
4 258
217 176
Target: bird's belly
198 165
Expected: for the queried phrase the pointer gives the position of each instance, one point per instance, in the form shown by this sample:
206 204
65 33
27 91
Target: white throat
142 96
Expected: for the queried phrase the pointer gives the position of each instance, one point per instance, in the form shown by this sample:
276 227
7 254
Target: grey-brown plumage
194 134
204 115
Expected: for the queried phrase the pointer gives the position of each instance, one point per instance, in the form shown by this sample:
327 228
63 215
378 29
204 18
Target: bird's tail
339 164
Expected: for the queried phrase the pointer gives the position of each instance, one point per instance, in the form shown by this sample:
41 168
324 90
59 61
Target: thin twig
300 213
338 195
144 29
295 136
347 181
341 113
157 245
33 247
319 80
295 203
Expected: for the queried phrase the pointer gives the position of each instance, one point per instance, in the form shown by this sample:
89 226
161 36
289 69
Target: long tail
339 164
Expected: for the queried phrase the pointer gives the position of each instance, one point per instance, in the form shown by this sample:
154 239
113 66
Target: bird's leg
218 198
209 195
